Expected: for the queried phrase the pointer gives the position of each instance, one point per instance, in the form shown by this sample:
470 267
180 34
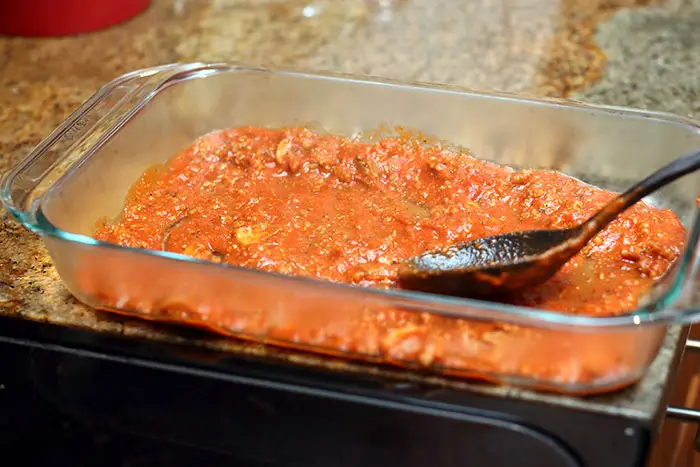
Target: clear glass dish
83 170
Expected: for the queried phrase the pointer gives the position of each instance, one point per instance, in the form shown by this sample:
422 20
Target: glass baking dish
83 170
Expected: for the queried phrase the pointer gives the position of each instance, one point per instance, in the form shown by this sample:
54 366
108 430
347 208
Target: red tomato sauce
299 203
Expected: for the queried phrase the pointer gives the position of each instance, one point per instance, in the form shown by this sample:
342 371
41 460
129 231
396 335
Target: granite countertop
621 52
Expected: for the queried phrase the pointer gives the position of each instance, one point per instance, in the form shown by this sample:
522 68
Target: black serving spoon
507 263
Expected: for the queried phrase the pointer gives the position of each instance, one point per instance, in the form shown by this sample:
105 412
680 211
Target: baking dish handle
691 302
83 131
677 296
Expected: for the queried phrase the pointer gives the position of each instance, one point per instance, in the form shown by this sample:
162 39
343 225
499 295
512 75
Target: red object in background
40 18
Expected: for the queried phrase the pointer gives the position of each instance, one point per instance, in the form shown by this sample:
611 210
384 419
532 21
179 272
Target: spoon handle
667 174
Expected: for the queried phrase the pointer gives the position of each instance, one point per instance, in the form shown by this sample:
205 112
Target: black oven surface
73 397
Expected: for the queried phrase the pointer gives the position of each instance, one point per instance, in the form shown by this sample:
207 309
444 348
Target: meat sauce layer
295 202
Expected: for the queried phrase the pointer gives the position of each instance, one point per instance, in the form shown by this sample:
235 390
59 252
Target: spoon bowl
508 263
485 266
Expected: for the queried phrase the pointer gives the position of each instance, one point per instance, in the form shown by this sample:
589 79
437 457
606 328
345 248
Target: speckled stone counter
612 52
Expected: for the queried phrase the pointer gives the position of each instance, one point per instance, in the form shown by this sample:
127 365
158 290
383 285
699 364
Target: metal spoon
507 263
